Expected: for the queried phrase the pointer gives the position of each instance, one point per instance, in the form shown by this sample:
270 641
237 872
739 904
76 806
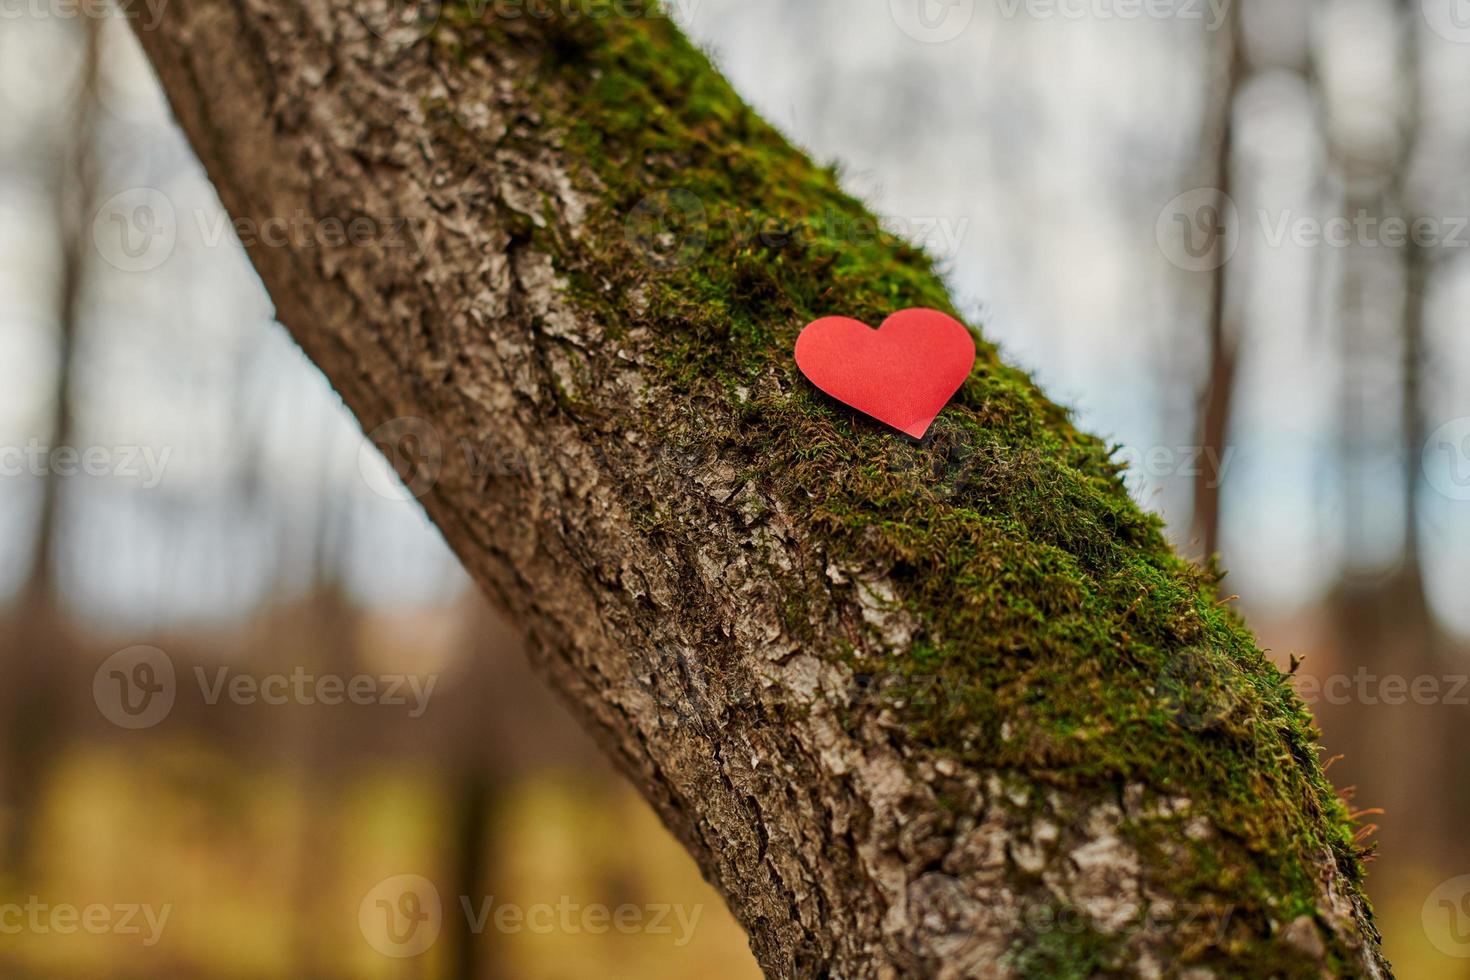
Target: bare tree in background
35 658
1224 334
1384 624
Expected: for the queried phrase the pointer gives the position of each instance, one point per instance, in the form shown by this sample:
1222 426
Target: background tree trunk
949 708
33 712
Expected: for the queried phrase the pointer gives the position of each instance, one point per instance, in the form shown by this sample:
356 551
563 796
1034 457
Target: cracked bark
844 846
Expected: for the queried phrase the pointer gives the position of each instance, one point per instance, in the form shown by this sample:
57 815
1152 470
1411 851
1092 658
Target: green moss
1059 636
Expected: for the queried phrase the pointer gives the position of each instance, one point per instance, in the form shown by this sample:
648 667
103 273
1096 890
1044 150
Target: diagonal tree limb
938 709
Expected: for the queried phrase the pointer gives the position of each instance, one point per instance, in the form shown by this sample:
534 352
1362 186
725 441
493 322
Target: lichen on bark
948 708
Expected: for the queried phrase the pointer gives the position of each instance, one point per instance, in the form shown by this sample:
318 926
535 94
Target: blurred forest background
1137 200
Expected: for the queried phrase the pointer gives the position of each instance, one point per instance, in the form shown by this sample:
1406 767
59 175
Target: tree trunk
33 708
948 708
1217 394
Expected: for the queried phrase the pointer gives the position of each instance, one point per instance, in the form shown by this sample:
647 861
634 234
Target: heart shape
902 374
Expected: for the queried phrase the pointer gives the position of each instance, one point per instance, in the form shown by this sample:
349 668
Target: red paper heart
901 374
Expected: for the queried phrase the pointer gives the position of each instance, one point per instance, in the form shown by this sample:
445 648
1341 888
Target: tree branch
938 709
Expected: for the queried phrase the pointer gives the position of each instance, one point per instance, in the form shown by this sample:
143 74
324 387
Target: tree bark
948 708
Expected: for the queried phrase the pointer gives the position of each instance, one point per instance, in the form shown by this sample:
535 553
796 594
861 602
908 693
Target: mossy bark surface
946 708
